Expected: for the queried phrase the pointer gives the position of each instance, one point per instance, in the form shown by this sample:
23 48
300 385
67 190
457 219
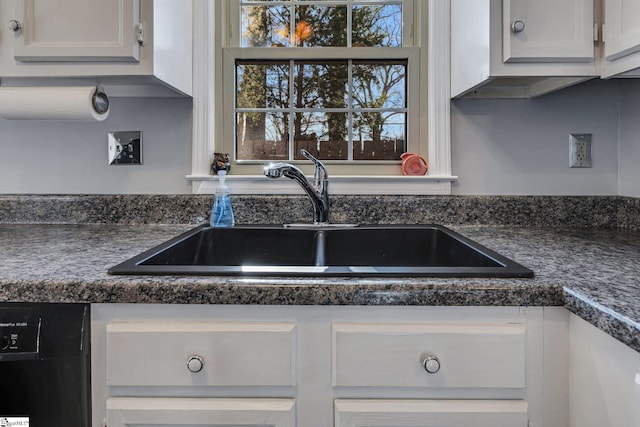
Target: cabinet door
470 355
202 412
425 413
71 30
231 353
604 379
548 30
621 29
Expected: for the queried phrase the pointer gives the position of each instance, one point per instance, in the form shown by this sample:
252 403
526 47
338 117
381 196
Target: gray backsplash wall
71 157
630 139
522 146
511 147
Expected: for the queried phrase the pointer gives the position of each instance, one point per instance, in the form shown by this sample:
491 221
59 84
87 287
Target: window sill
338 184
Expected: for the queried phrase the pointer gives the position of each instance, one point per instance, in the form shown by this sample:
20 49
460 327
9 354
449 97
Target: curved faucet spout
317 192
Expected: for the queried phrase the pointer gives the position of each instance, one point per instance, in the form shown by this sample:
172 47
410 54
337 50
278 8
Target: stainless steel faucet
317 192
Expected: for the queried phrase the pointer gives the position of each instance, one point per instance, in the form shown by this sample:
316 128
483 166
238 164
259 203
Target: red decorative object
413 164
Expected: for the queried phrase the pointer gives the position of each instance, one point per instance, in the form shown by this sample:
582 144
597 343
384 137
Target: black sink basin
420 250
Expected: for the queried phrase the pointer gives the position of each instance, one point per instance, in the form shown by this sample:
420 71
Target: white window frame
211 31
366 167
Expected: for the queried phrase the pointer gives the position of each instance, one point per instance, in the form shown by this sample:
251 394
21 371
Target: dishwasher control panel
19 335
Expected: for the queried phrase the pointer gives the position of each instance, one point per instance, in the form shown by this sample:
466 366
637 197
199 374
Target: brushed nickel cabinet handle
195 364
517 27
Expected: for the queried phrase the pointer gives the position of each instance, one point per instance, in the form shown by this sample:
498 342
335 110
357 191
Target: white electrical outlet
580 150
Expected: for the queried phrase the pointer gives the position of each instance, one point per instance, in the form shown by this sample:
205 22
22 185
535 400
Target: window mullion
350 110
349 23
292 24
291 111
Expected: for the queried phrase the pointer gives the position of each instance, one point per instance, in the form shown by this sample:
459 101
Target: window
344 79
337 109
348 110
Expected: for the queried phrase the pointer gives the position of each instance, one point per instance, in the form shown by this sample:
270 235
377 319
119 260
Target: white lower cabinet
309 366
202 412
422 413
440 358
604 379
190 353
462 355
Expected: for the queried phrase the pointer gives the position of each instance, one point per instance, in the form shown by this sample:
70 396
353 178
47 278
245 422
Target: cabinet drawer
232 353
203 412
420 413
392 355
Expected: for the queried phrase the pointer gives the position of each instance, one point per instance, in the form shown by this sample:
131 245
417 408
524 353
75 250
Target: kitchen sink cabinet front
191 355
441 358
326 366
165 354
202 412
421 413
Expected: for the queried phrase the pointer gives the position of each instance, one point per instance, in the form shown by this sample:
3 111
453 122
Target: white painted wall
499 146
522 146
630 139
43 157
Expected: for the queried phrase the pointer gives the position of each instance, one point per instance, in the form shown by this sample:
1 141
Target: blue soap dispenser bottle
222 211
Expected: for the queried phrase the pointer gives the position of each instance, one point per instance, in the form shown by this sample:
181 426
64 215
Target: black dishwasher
45 365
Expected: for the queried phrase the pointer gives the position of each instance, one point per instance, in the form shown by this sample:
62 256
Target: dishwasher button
4 342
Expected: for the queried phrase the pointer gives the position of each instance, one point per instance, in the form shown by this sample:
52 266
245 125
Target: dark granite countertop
591 271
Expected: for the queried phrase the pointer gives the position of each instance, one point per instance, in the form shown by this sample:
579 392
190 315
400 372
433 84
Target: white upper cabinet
91 30
525 48
135 47
548 31
622 29
621 34
520 48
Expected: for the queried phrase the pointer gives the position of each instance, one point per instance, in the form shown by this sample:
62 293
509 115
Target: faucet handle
309 156
320 173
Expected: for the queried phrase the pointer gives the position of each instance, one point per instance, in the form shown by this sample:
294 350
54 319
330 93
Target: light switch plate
125 148
580 150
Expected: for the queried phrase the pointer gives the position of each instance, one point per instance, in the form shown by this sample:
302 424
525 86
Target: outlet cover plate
125 148
580 150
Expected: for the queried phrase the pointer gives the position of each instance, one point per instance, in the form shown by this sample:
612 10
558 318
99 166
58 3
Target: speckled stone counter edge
622 329
291 291
519 211
514 211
